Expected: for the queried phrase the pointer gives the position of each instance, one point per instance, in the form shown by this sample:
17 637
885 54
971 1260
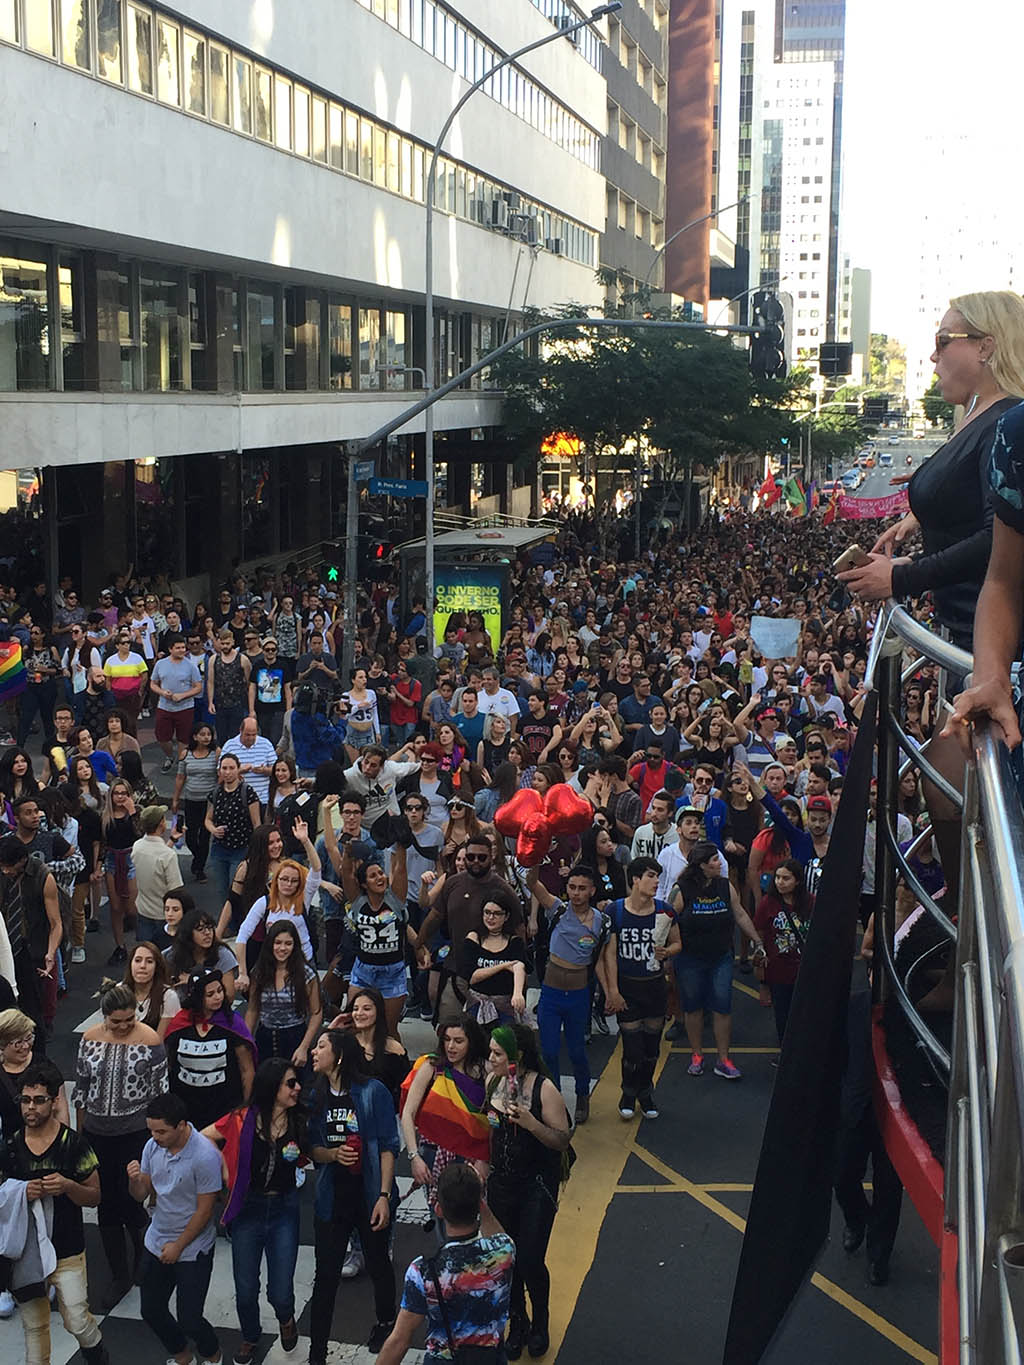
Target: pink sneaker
729 1071
696 1067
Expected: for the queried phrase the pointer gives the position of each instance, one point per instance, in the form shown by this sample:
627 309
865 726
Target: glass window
393 166
351 143
161 332
260 339
263 94
336 136
140 50
301 120
39 26
219 103
366 149
339 325
8 21
74 33
24 325
126 332
195 73
168 74
283 112
396 355
196 310
318 136
72 326
108 40
407 186
418 162
242 69
369 348
379 156
237 349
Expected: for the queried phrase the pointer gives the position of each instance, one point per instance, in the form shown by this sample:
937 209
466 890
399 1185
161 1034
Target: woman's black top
517 1157
949 495
121 832
391 1069
474 955
273 1165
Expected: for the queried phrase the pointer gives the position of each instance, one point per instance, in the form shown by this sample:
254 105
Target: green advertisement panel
470 587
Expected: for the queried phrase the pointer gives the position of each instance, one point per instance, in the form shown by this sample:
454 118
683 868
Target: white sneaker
7 1304
77 954
354 1264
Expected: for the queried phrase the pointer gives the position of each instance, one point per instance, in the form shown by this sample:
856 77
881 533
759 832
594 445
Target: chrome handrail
984 1169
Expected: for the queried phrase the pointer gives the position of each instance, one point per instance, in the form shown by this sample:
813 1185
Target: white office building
212 264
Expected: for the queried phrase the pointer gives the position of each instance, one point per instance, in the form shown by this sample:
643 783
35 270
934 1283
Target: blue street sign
399 488
365 470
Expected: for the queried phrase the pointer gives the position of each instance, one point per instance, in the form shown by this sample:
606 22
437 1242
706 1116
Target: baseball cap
149 820
819 803
688 810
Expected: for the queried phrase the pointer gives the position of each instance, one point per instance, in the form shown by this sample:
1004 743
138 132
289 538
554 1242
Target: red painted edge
923 1178
915 1164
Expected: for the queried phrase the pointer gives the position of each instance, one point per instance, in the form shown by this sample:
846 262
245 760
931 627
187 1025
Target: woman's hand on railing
992 701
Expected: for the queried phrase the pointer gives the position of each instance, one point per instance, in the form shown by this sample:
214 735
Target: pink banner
861 509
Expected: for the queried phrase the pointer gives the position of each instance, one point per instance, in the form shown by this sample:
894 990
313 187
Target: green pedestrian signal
332 574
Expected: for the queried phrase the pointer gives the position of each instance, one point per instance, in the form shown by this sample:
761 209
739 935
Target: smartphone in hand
852 558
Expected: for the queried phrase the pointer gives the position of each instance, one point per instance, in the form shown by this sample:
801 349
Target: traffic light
332 567
835 357
374 551
768 344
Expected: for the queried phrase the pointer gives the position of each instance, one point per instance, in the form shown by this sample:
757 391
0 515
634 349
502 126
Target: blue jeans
401 734
571 1009
268 1225
224 864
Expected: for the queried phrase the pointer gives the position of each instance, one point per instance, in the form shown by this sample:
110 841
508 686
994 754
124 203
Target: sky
932 118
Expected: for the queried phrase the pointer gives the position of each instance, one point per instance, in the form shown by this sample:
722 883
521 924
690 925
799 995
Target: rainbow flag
448 1117
12 670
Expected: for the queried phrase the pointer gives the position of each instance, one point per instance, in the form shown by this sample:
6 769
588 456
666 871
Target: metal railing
984 1070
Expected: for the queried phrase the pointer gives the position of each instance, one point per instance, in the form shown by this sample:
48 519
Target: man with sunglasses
459 911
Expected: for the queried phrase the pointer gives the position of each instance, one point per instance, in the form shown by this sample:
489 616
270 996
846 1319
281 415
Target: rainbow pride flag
447 1116
12 670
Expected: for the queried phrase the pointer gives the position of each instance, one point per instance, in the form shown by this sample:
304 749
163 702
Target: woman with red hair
291 892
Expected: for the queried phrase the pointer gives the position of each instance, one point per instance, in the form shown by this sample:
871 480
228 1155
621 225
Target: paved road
646 1240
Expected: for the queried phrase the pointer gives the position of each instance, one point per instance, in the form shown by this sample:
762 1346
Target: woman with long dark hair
783 918
42 669
263 1145
707 910
251 880
194 784
16 779
504 785
598 851
530 1132
211 1056
284 1011
434 1135
196 944
386 1059
156 1001
354 1143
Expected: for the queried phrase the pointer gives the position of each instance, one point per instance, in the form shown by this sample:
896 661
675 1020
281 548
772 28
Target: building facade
634 154
211 256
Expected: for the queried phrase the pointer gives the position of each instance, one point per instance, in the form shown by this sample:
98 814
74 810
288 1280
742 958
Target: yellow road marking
867 1315
747 990
739 1051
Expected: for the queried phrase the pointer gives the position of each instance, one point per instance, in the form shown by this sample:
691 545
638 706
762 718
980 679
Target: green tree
936 410
888 364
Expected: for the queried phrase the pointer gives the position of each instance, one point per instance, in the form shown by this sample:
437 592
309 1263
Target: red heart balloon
509 818
566 812
534 839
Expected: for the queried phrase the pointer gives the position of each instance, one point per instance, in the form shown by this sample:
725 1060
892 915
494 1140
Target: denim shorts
389 980
705 983
110 864
360 739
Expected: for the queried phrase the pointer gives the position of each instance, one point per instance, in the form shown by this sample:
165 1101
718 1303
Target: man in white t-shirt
496 700
673 858
820 701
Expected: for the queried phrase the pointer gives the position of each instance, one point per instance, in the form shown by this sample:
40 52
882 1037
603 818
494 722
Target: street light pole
431 375
685 228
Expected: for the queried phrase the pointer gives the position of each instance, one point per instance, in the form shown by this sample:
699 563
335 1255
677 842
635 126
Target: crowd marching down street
589 825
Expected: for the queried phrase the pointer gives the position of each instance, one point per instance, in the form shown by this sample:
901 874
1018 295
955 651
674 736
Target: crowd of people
348 826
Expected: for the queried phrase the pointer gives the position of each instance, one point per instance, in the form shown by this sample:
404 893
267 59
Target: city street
653 1205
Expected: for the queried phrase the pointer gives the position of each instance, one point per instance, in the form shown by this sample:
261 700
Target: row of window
444 35
291 338
133 46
